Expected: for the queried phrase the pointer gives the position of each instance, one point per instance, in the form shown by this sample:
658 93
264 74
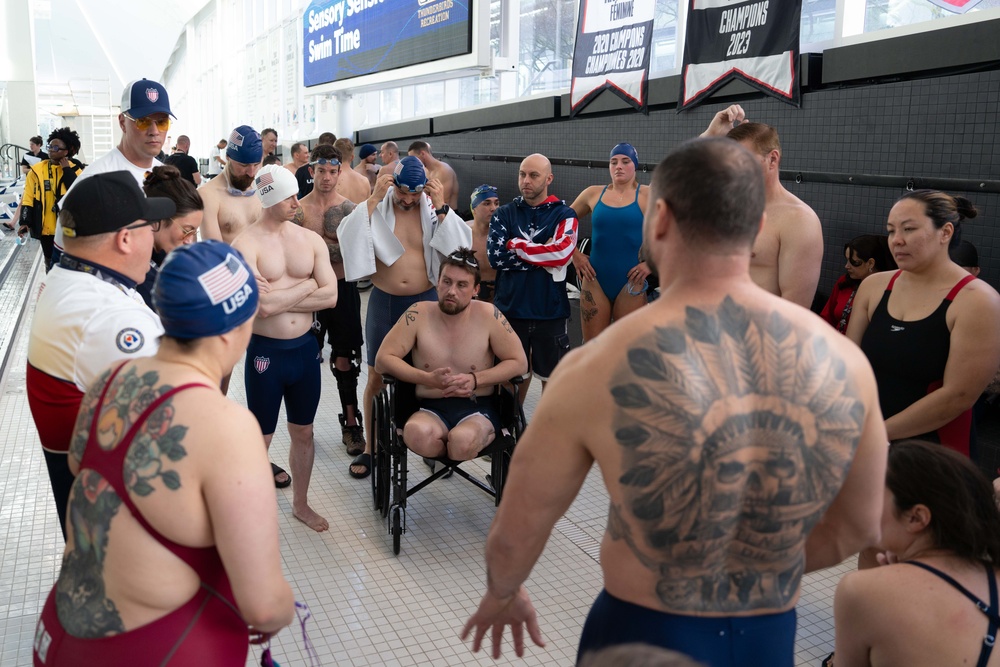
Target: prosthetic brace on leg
347 382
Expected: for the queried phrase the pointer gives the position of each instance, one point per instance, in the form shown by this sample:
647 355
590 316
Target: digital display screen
343 39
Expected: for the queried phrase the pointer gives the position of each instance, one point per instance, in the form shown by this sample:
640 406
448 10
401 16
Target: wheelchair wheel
498 472
381 428
396 529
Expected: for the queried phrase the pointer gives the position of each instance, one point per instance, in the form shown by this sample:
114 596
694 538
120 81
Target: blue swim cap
627 151
481 194
244 145
204 289
409 174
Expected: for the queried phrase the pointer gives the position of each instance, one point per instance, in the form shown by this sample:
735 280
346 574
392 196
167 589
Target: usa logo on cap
236 138
265 179
152 94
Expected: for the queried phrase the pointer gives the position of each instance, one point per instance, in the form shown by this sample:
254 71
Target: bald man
531 241
442 171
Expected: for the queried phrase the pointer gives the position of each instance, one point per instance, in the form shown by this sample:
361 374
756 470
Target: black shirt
185 164
42 155
305 180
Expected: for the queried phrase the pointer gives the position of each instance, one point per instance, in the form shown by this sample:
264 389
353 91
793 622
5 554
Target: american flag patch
152 94
261 363
224 280
265 179
236 138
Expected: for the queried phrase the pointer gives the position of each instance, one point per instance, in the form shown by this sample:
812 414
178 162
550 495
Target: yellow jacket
43 187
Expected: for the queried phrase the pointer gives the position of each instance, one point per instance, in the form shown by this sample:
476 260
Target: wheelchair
390 410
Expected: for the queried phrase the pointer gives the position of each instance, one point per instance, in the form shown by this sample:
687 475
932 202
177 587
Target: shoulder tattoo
736 429
410 315
497 315
81 599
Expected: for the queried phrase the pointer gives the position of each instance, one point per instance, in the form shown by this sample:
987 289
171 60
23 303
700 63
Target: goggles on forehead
331 162
406 188
143 124
465 258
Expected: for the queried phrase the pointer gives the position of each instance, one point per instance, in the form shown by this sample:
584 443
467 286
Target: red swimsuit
206 630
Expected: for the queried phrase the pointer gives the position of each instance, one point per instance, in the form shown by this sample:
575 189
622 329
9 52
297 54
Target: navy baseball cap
409 174
245 145
204 289
107 202
144 98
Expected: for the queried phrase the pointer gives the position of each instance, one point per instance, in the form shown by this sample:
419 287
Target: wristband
475 382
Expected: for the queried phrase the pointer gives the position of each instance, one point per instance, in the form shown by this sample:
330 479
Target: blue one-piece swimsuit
615 239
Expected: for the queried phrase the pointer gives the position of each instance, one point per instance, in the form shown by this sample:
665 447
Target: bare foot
311 519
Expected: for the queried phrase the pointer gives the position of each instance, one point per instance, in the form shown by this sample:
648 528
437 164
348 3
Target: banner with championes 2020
613 43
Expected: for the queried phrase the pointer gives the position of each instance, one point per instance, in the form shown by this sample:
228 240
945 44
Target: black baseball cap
107 202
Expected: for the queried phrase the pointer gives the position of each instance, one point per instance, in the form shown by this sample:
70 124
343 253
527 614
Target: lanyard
77 264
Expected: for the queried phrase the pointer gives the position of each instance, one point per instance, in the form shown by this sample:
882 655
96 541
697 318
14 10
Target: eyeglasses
188 231
52 148
467 259
333 162
142 124
155 224
406 188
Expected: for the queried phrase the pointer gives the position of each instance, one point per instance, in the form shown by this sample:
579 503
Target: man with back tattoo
740 441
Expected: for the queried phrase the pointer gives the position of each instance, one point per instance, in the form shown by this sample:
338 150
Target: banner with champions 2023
756 41
343 39
613 43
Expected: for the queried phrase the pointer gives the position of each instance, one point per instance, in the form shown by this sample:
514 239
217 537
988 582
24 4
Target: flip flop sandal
361 460
277 470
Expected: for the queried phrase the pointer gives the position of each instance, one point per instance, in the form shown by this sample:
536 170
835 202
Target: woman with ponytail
929 329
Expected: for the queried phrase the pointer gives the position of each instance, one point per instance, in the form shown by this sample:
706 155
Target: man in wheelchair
460 349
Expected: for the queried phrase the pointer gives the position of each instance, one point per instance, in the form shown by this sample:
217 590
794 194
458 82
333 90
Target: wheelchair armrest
388 379
517 379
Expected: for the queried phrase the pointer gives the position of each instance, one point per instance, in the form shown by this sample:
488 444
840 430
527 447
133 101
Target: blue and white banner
756 41
613 43
342 39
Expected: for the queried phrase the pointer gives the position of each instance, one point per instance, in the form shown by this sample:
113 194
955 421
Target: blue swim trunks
453 411
384 310
277 368
767 640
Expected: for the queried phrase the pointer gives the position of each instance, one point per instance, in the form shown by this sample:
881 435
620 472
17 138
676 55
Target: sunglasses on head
468 260
406 188
332 162
142 124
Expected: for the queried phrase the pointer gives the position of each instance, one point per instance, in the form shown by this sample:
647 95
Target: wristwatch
443 210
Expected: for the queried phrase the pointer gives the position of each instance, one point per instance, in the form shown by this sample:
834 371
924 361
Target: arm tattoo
503 320
81 597
411 314
737 429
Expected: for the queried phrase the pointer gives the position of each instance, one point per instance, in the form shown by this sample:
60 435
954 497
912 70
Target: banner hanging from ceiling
755 41
613 43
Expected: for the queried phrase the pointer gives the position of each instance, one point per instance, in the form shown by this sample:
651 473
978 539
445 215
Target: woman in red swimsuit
172 554
865 255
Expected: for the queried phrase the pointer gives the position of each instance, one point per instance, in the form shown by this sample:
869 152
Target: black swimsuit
909 358
989 610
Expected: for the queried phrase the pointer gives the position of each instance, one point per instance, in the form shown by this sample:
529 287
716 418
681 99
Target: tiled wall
933 127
